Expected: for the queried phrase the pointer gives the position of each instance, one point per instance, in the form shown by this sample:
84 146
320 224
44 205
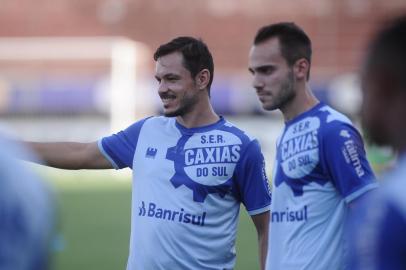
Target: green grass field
94 223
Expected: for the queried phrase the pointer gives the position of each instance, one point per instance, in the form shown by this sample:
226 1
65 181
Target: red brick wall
338 28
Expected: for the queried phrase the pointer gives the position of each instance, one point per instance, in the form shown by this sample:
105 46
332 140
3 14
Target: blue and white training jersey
380 235
320 167
187 188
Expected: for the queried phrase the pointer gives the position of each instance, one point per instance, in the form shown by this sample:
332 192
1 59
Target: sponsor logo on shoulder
351 154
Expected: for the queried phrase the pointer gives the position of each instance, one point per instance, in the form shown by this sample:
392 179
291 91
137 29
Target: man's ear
203 79
301 69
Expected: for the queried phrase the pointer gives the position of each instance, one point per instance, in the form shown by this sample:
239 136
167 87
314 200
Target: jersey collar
305 113
185 130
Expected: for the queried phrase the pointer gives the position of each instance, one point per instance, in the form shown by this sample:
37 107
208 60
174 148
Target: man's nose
257 83
162 88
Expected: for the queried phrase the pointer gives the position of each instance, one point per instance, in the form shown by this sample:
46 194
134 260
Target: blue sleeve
378 237
119 148
251 179
344 156
391 240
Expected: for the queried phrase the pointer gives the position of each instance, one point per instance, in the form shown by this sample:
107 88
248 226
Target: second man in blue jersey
320 168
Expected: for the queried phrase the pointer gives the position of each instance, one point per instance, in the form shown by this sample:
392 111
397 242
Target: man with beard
380 235
320 169
191 170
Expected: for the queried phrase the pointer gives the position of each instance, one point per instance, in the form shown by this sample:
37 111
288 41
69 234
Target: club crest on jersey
151 152
298 152
205 162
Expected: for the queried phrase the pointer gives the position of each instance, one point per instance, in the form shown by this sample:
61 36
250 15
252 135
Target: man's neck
199 117
302 102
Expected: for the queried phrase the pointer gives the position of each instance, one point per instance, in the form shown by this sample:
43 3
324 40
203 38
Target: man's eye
267 70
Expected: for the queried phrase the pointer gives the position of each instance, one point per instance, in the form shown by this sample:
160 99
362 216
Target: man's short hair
294 42
387 51
196 55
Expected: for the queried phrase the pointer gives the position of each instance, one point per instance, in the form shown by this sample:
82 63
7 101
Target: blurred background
81 69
